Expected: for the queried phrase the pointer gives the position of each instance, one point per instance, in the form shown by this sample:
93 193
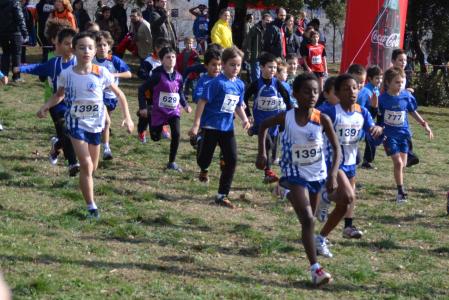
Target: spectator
63 11
29 22
249 20
187 58
81 15
108 23
301 23
44 9
316 26
253 43
141 33
161 25
292 40
146 14
303 51
221 33
12 32
274 39
200 26
118 12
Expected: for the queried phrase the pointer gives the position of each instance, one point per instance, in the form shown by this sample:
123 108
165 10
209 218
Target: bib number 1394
229 103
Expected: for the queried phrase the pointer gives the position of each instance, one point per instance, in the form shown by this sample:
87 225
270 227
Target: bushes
432 88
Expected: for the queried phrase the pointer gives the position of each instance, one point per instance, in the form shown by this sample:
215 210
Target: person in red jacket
188 57
315 61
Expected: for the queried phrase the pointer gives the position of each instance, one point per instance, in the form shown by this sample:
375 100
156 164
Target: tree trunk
334 39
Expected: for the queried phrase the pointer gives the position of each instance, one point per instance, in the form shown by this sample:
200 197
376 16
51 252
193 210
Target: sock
92 206
348 222
105 146
401 190
315 267
220 197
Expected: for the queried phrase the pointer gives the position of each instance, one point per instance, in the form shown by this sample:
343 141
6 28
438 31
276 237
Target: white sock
315 267
106 146
220 196
92 206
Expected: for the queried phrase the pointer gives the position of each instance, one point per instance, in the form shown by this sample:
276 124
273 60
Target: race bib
394 118
168 100
85 110
229 103
316 60
307 154
268 103
347 134
203 27
47 8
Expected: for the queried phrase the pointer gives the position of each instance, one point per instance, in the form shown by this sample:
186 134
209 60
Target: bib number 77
229 103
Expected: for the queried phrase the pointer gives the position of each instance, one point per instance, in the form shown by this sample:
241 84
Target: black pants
12 48
370 147
64 142
144 122
175 128
226 142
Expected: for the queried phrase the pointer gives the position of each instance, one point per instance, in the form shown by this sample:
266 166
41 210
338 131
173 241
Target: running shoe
322 247
270 177
53 156
107 154
401 198
320 277
74 169
166 132
203 177
368 166
251 131
174 167
224 201
352 232
93 214
142 137
412 160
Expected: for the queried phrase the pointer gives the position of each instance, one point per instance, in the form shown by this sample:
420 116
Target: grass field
159 238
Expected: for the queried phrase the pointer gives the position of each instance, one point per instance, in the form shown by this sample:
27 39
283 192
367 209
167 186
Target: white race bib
168 100
47 8
394 118
230 103
307 154
268 103
85 110
316 60
347 134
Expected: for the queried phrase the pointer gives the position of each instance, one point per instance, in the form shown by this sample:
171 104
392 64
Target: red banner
373 29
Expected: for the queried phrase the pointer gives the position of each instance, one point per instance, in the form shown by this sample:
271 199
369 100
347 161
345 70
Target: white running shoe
53 156
322 246
352 232
107 154
320 277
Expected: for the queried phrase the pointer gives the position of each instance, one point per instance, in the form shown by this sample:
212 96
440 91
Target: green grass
159 237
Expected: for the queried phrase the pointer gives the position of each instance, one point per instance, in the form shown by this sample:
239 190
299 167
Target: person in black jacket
118 12
292 41
161 25
44 9
81 15
146 14
13 32
274 38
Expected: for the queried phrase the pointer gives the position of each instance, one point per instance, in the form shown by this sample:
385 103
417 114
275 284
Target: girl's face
376 80
103 49
282 74
348 92
169 60
85 50
269 70
395 85
400 61
232 67
315 39
292 66
59 6
307 95
226 16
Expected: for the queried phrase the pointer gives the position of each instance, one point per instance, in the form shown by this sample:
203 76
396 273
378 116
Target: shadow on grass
198 272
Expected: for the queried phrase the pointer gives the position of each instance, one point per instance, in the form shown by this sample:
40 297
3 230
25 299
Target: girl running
81 86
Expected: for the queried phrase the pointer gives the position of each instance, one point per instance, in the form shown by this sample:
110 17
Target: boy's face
85 50
400 61
189 44
361 78
232 67
348 92
214 67
65 47
307 95
282 74
292 66
395 85
269 70
331 97
376 80
169 60
103 48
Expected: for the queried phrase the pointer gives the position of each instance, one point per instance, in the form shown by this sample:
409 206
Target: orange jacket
66 15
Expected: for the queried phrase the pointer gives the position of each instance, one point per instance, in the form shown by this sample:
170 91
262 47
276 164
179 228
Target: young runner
81 87
215 116
269 98
61 37
316 58
119 69
349 121
394 104
164 91
303 163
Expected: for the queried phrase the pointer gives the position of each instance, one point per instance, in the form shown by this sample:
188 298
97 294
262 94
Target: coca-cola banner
373 29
